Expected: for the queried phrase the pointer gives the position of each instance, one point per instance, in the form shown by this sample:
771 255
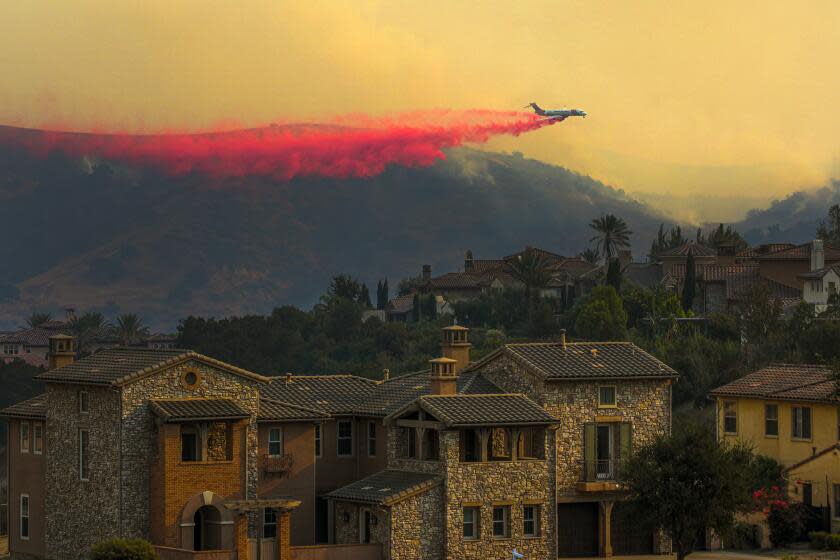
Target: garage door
628 537
577 529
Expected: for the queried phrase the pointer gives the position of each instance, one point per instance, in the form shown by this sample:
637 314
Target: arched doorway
208 529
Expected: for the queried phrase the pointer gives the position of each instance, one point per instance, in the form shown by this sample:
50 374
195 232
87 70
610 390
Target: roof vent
594 352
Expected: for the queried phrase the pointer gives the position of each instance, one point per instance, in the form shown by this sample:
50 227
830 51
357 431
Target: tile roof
36 407
180 410
29 337
799 252
807 382
401 304
583 360
739 282
482 265
485 410
752 252
386 487
822 272
115 366
391 395
275 411
462 280
541 252
695 248
333 394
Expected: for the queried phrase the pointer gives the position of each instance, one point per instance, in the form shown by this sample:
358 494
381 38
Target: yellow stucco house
790 412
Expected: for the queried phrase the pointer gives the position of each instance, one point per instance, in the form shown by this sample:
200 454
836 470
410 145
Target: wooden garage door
628 537
577 529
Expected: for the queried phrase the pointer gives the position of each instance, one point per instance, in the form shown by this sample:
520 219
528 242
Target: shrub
123 549
821 540
742 536
785 522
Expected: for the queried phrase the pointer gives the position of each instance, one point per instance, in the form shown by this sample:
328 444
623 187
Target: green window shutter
625 439
589 451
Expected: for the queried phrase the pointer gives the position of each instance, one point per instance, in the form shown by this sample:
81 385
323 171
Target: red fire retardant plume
355 146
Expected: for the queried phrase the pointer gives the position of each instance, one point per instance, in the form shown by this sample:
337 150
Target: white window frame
505 521
279 441
601 403
793 416
768 406
535 508
371 438
319 444
734 415
84 402
84 455
339 439
266 512
21 517
25 439
475 523
38 438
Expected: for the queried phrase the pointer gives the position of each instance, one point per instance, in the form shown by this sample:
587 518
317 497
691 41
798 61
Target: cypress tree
364 296
379 304
614 275
385 297
415 308
690 283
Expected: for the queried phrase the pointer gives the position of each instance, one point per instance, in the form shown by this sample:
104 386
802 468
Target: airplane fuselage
559 114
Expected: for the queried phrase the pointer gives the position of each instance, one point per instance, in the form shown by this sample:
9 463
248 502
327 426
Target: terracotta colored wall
175 482
299 442
334 471
26 476
786 272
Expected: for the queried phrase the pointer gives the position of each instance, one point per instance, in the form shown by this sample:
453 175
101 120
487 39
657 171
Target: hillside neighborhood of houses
521 449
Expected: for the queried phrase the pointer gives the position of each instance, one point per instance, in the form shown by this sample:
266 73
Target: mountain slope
119 240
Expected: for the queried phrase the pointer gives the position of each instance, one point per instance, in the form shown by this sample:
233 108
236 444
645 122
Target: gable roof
386 487
794 382
36 407
333 394
121 365
181 410
582 360
275 411
822 272
799 252
456 411
389 396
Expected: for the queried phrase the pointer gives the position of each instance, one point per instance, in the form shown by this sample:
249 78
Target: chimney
817 255
468 261
444 380
427 272
386 374
563 338
726 253
62 350
456 346
69 314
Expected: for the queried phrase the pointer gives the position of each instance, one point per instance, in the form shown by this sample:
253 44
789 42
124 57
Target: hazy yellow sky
721 97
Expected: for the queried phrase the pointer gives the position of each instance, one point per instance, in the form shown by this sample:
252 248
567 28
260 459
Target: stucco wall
26 476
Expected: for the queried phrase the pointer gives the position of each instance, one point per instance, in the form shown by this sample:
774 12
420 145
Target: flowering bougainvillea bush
785 519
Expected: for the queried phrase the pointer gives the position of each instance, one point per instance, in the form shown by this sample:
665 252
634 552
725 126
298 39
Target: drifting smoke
356 146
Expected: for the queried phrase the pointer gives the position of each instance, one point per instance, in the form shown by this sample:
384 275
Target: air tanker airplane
556 114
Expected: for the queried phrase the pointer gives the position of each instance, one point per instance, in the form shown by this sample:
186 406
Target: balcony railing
274 464
600 470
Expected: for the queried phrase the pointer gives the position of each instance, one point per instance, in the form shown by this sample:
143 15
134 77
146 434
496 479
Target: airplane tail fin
537 109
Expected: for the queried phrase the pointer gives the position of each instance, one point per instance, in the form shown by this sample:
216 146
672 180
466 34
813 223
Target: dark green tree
590 255
614 275
690 284
130 329
379 303
829 230
385 296
364 296
86 328
687 483
38 319
601 316
612 235
532 269
345 287
416 312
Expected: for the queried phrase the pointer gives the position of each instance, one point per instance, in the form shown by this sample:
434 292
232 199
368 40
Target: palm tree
532 269
590 255
613 235
86 328
130 329
38 319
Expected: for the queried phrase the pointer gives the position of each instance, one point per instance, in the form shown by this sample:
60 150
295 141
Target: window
275 442
24 437
606 397
269 523
84 402
836 508
11 349
501 522
189 444
730 417
431 445
411 442
471 523
371 439
317 440
24 517
531 520
345 438
38 434
84 455
771 420
801 422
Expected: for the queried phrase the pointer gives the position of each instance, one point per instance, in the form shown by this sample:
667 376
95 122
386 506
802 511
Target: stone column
284 535
605 529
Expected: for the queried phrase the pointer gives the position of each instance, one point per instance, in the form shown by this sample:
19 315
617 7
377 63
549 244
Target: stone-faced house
461 460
